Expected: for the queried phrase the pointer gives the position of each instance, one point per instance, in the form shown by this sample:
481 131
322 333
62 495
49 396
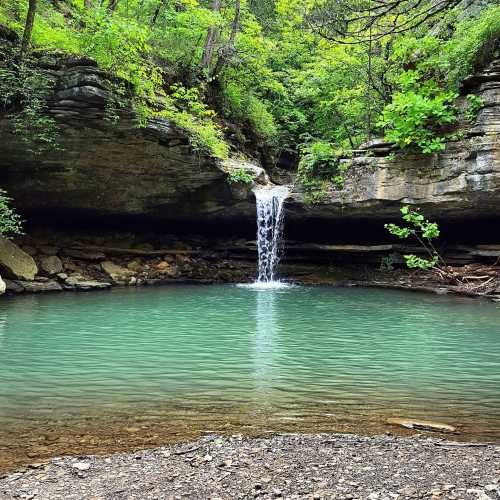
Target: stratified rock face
15 263
111 169
462 182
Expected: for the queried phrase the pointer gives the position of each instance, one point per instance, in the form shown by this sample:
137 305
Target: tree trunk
210 40
227 53
28 28
235 25
161 3
112 5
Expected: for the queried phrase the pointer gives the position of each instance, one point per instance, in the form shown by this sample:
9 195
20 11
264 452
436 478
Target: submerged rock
421 425
16 263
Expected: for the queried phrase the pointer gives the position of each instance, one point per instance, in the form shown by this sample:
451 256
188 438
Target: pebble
81 466
302 467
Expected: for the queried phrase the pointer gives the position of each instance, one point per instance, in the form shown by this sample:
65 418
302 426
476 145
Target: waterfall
270 214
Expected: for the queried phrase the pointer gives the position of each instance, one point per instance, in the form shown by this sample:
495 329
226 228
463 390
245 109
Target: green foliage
184 108
24 91
415 119
283 83
415 262
426 75
423 230
10 222
316 192
473 43
245 107
321 167
474 105
239 176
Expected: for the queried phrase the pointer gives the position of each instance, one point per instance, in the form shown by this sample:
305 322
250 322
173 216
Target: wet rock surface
290 466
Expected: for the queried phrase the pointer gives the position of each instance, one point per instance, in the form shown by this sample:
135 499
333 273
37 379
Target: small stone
479 494
208 458
82 466
134 265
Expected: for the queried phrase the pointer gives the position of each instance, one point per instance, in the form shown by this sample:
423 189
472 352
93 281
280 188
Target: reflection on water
141 367
266 331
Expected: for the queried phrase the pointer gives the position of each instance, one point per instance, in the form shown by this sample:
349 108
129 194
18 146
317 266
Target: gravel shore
282 466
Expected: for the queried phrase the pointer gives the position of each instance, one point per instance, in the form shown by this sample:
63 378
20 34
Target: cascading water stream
270 217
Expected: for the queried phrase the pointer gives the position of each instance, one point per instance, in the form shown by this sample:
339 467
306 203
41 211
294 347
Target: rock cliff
106 169
110 171
461 183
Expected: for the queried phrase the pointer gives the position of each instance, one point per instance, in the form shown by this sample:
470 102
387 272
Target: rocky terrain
290 466
48 261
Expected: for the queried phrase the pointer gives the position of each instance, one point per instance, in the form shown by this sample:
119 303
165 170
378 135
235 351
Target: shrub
414 119
25 89
242 105
472 44
423 230
239 176
10 222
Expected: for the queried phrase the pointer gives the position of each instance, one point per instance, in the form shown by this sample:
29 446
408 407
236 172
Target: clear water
137 367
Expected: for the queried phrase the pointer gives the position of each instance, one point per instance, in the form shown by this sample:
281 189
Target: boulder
117 273
51 265
3 286
421 425
16 263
